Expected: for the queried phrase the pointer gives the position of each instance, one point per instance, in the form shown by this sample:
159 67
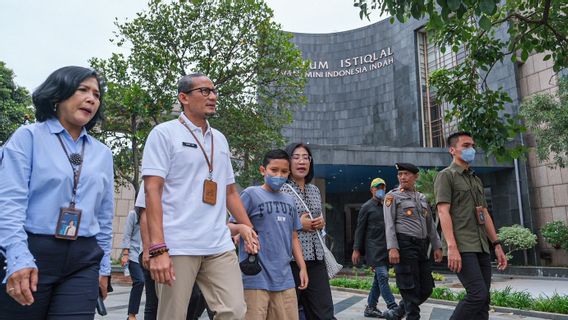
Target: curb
520 312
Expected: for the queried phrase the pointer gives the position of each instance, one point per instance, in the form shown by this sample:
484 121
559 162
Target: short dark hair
273 155
185 83
454 137
290 148
61 85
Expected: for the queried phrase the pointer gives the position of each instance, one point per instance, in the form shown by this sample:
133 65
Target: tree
130 113
15 104
472 25
546 116
258 73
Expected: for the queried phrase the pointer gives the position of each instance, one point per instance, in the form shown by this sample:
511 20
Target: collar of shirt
459 169
193 127
55 127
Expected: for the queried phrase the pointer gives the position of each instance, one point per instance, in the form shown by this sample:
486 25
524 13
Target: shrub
516 238
556 234
511 299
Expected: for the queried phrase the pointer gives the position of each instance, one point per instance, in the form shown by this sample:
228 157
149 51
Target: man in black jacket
370 239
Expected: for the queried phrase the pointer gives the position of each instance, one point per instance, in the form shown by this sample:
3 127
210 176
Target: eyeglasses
305 157
204 91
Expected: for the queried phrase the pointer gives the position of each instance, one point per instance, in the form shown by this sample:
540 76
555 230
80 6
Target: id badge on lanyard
70 217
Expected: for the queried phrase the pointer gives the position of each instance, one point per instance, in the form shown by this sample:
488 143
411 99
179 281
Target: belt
405 237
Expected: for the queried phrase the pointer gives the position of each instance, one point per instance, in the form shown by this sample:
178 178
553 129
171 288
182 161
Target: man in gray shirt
409 229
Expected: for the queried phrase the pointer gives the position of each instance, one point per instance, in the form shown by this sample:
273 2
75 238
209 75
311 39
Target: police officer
409 228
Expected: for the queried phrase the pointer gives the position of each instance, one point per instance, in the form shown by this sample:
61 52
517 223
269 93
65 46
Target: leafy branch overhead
488 31
546 116
256 69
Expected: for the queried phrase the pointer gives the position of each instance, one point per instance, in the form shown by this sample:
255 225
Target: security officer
409 229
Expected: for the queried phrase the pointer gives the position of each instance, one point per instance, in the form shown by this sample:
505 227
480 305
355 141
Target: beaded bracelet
157 252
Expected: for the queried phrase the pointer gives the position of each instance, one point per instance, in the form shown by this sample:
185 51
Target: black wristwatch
496 242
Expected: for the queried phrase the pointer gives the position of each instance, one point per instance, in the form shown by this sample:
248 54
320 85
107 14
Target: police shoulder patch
388 200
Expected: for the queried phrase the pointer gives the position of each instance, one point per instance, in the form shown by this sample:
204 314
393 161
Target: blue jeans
381 286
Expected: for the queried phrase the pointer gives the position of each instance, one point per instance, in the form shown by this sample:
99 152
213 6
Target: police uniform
410 228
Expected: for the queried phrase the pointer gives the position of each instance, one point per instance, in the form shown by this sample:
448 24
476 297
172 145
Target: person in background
315 300
370 238
51 172
130 254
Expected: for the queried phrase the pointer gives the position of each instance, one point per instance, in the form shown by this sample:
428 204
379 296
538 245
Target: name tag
281 219
210 192
189 144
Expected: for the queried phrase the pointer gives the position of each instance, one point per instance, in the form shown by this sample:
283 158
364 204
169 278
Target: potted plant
556 234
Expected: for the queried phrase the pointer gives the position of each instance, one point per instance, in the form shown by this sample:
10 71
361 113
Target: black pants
68 282
137 277
413 274
475 277
316 298
197 303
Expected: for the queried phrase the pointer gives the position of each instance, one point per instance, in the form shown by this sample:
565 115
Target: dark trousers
137 277
197 303
475 277
68 284
413 274
316 298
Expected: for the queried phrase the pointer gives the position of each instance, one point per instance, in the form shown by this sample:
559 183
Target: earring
55 107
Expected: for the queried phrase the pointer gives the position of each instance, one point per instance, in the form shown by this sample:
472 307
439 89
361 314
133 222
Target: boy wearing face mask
270 294
466 227
370 239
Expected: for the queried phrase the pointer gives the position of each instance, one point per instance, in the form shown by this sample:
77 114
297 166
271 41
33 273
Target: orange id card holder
210 192
68 223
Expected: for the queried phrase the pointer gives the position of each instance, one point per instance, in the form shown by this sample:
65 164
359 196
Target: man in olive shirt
409 229
370 239
466 227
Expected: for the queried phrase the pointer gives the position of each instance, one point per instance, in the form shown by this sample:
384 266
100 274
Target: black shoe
372 312
396 313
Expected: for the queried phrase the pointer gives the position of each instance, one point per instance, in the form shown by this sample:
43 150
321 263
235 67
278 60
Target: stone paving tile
348 306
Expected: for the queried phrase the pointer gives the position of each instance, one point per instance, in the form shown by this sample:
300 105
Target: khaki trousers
218 277
271 305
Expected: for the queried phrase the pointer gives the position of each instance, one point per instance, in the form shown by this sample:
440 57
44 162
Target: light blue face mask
468 155
274 182
380 194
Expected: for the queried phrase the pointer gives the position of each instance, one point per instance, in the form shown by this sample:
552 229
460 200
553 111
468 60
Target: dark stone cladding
379 107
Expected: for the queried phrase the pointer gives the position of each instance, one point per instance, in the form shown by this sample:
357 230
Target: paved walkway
350 305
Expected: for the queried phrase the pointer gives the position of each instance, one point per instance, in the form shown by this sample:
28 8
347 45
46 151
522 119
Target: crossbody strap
307 210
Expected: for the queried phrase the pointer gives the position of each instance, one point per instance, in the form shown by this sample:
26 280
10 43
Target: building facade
369 106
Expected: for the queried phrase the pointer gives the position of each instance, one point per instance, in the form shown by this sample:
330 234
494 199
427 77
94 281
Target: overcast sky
39 36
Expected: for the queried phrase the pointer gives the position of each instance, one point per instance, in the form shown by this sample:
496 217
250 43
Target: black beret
406 166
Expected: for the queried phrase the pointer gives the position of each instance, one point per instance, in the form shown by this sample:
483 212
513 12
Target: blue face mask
380 194
274 182
468 155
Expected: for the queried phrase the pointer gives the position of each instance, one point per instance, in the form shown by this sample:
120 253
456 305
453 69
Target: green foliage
511 299
130 113
516 238
556 234
425 184
258 72
507 297
15 104
556 303
472 25
546 116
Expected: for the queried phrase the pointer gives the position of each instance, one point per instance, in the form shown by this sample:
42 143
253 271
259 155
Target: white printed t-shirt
191 227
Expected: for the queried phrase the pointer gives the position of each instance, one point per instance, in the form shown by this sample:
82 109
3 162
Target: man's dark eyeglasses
204 91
